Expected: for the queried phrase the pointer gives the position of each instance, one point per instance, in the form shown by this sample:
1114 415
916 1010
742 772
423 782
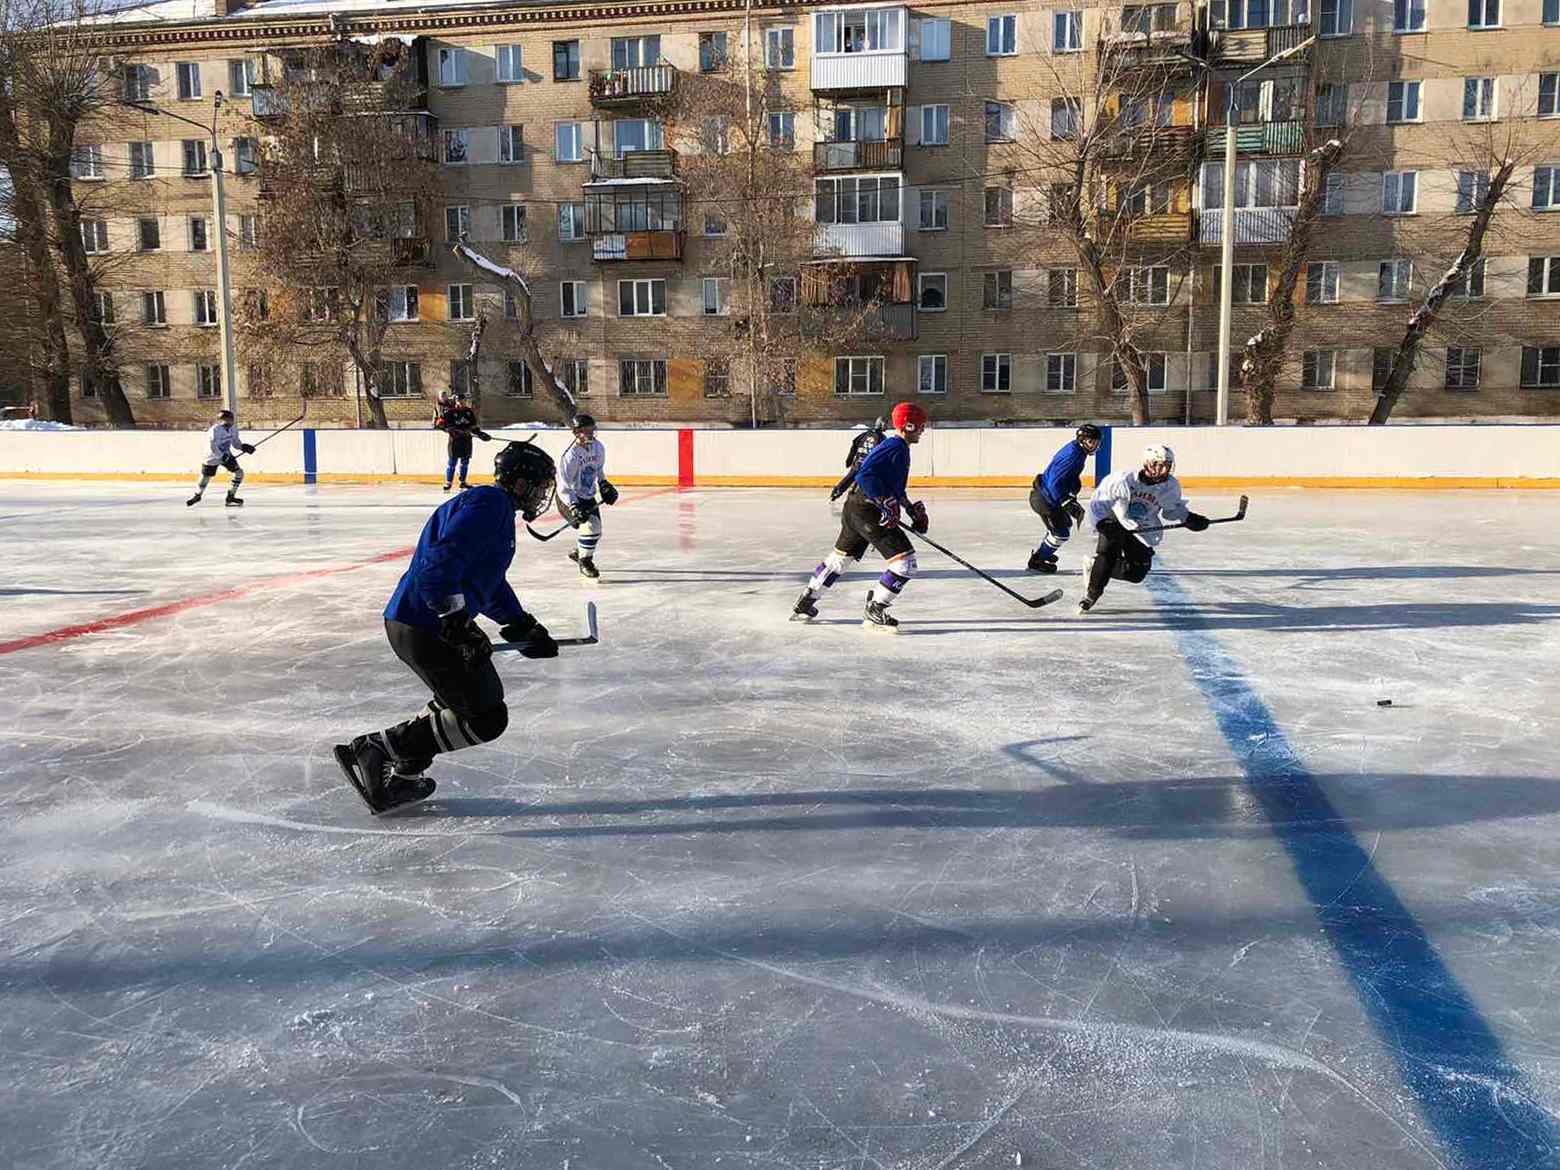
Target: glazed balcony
616 88
860 48
1253 225
884 238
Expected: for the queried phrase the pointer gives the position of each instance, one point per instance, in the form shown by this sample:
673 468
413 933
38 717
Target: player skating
580 476
1054 496
859 448
222 441
458 418
1126 501
457 572
872 516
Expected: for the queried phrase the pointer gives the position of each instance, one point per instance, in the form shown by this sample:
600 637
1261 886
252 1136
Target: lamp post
219 214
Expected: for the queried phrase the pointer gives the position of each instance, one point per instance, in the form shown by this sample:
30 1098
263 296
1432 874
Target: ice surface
1127 890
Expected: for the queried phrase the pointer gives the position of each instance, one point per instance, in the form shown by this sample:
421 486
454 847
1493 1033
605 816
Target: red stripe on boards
685 458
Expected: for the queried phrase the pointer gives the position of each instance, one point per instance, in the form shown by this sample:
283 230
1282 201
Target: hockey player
221 441
457 573
859 446
580 475
1054 496
457 418
872 516
1129 500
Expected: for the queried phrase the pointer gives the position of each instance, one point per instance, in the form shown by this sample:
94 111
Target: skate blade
348 765
804 618
866 625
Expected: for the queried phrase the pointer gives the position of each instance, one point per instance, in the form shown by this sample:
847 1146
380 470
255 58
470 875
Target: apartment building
928 129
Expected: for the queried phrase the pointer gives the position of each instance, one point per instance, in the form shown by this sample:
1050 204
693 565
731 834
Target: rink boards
1450 456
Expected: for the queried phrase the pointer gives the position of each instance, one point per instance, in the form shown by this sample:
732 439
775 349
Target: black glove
919 521
460 634
570 513
587 510
1111 527
246 448
1195 522
483 435
533 638
836 492
609 494
1074 509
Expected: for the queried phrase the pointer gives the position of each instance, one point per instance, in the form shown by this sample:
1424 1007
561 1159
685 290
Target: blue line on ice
1425 1019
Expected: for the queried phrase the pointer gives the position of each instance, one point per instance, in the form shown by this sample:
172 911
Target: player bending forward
457 572
1054 496
222 441
871 516
579 478
1124 502
860 447
458 419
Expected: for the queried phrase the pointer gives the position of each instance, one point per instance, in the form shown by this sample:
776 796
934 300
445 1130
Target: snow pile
34 424
476 258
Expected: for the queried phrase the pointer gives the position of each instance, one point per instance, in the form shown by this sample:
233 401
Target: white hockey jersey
222 438
1135 503
580 471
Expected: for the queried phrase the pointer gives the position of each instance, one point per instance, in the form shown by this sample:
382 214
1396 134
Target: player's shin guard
829 571
589 536
437 729
893 580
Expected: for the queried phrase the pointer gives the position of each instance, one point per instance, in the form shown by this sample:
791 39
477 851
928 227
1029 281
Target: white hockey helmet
1159 453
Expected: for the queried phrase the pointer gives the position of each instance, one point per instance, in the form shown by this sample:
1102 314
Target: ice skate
464 485
1086 605
193 500
368 765
878 618
805 609
233 502
587 566
446 487
1039 563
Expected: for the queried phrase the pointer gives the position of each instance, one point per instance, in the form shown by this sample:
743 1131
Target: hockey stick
279 430
1240 514
591 638
548 536
1036 603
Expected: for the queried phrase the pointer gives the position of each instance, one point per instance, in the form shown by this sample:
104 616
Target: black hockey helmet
224 416
580 421
880 423
1089 433
527 473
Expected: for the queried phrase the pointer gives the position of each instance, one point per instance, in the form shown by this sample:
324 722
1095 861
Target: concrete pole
224 282
1221 411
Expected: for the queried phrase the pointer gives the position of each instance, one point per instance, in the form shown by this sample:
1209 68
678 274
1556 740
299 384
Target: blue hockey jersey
464 551
885 473
1063 477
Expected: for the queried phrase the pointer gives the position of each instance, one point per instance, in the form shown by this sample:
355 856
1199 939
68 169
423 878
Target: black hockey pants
468 698
1118 554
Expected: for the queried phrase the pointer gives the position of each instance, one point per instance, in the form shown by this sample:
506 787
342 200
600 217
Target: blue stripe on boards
1102 456
311 463
1449 1057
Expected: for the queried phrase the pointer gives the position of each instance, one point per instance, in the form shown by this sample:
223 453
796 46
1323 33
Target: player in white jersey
222 440
581 474
1125 502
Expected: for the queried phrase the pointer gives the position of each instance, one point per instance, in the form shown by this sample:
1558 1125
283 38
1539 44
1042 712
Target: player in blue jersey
872 516
1054 496
457 572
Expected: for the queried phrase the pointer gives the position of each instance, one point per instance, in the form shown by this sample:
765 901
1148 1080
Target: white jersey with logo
1134 503
222 438
580 471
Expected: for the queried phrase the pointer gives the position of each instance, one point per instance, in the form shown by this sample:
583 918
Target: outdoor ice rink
1159 888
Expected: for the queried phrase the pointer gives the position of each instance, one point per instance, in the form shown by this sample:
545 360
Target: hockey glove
1196 522
888 514
570 513
483 435
919 521
1074 509
835 493
587 510
609 494
462 635
534 640
246 448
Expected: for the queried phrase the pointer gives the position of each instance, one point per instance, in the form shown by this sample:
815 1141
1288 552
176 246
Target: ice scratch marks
986 1127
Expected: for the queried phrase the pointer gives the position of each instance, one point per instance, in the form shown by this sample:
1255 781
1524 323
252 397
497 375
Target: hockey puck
1383 702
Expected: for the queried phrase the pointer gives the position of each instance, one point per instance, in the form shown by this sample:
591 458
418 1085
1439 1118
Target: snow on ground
1157 887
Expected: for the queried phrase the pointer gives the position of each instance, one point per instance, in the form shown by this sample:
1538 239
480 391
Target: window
715 135
208 381
640 378
936 38
198 235
321 304
711 298
460 377
138 83
1001 122
1382 359
717 378
1471 288
782 381
1337 18
1478 99
512 223
933 211
1317 367
105 307
566 60
1462 367
1332 195
868 199
574 298
712 52
1321 282
452 67
1543 276
1061 373
1552 11
194 156
997 289
457 223
875 30
1483 13
575 373
635 134
1473 187
1144 286
568 142
1332 104
400 303
1250 286
571 221
1394 279
1408 15
635 52
148 230
780 48
714 225
241 75
205 306
1154 371
932 292
641 298
1064 117
1399 192
856 376
1546 188
932 373
187 75
782 129
457 147
782 294
1061 288
1549 93
255 304
517 383
142 161
934 125
1541 367
1067 32
511 144
94 236
157 381
1258 183
462 307
398 379
1403 101
86 162
1001 36
153 309
1146 199
1144 19
996 373
999 207
246 155
508 62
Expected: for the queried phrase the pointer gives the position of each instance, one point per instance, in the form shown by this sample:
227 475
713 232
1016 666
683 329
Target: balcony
408 252
265 103
1165 144
378 97
1252 46
1163 50
626 87
635 165
860 48
855 156
844 240
1169 228
1260 138
646 245
881 321
1253 225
